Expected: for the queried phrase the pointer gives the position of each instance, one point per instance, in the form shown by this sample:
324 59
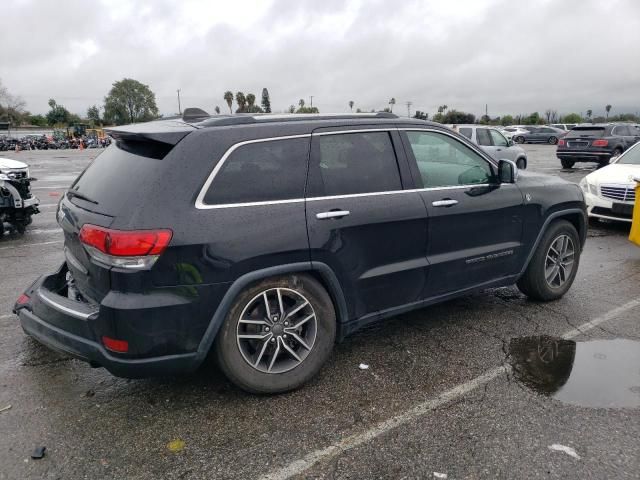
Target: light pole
179 108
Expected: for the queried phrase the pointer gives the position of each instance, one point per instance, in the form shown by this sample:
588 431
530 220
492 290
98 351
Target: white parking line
2 317
20 245
299 466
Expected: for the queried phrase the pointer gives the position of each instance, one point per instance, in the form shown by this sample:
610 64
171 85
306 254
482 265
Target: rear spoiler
169 132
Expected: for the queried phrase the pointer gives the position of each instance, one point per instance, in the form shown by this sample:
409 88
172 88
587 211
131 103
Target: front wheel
519 139
521 163
554 265
277 335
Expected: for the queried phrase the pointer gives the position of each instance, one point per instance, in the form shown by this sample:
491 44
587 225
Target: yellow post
634 235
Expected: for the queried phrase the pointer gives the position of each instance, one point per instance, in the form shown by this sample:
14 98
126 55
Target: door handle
447 202
332 214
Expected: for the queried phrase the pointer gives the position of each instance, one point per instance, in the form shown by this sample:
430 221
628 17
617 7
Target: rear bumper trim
47 299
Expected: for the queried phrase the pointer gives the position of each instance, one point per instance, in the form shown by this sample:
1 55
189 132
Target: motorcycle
17 203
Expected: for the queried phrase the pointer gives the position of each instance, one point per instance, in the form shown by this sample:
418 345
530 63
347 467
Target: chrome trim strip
61 308
71 258
200 205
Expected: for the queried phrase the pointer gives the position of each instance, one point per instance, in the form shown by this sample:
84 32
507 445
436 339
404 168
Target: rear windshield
586 132
114 178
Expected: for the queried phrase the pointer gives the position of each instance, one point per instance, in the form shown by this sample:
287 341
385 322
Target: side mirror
507 171
510 142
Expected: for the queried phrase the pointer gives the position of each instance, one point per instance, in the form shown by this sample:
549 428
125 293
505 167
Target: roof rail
238 119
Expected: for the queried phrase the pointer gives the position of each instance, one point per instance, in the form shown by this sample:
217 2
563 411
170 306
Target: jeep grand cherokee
265 239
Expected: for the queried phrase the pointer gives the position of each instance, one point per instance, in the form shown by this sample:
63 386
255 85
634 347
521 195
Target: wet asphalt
479 387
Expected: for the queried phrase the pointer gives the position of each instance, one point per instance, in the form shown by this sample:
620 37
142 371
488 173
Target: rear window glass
586 131
261 172
466 132
115 175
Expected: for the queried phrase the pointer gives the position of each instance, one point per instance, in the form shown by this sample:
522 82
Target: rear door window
484 139
467 132
353 163
621 130
261 172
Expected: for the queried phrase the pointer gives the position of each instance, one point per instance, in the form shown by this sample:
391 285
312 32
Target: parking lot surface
451 391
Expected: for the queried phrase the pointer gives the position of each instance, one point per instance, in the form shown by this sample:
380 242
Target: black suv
597 143
265 239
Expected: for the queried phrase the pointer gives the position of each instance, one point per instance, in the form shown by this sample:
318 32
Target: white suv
492 141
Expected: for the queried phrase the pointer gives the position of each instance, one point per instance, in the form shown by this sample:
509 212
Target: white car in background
610 191
510 132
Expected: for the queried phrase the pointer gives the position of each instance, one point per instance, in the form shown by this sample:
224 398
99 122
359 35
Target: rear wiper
74 193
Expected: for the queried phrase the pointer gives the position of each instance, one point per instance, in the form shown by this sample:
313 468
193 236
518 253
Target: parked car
540 135
564 126
17 203
263 240
597 143
510 132
610 191
492 141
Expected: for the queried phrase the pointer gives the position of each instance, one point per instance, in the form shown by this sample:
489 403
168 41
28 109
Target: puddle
597 373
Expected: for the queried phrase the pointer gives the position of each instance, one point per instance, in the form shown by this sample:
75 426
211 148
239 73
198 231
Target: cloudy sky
515 56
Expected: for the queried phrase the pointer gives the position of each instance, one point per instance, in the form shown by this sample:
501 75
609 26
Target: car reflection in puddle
597 373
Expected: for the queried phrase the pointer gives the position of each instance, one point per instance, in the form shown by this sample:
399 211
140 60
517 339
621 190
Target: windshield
632 157
586 132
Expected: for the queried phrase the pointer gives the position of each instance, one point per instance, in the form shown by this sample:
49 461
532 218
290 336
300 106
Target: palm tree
241 100
444 109
440 109
589 113
607 109
228 97
301 102
392 102
217 110
251 99
351 104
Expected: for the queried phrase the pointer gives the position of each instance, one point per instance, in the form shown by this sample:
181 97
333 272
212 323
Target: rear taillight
134 249
561 142
600 143
23 299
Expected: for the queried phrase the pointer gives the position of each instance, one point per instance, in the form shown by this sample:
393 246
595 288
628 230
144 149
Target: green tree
241 100
130 101
307 110
266 101
351 104
291 109
506 120
533 119
589 113
607 109
228 97
392 102
301 103
454 116
93 114
251 104
57 115
251 99
38 120
217 109
571 118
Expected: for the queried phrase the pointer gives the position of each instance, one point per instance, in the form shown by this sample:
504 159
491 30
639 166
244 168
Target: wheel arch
575 216
319 271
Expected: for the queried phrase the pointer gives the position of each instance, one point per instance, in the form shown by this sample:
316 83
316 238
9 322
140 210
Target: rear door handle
448 202
332 214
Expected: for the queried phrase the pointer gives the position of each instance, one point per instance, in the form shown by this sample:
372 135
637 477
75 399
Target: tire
552 140
237 356
567 163
534 283
616 153
521 163
519 139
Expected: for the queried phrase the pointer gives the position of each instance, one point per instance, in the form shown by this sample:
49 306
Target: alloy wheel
276 330
559 261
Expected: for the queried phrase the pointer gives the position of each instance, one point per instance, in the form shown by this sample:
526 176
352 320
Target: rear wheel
519 139
567 163
554 265
277 335
553 140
